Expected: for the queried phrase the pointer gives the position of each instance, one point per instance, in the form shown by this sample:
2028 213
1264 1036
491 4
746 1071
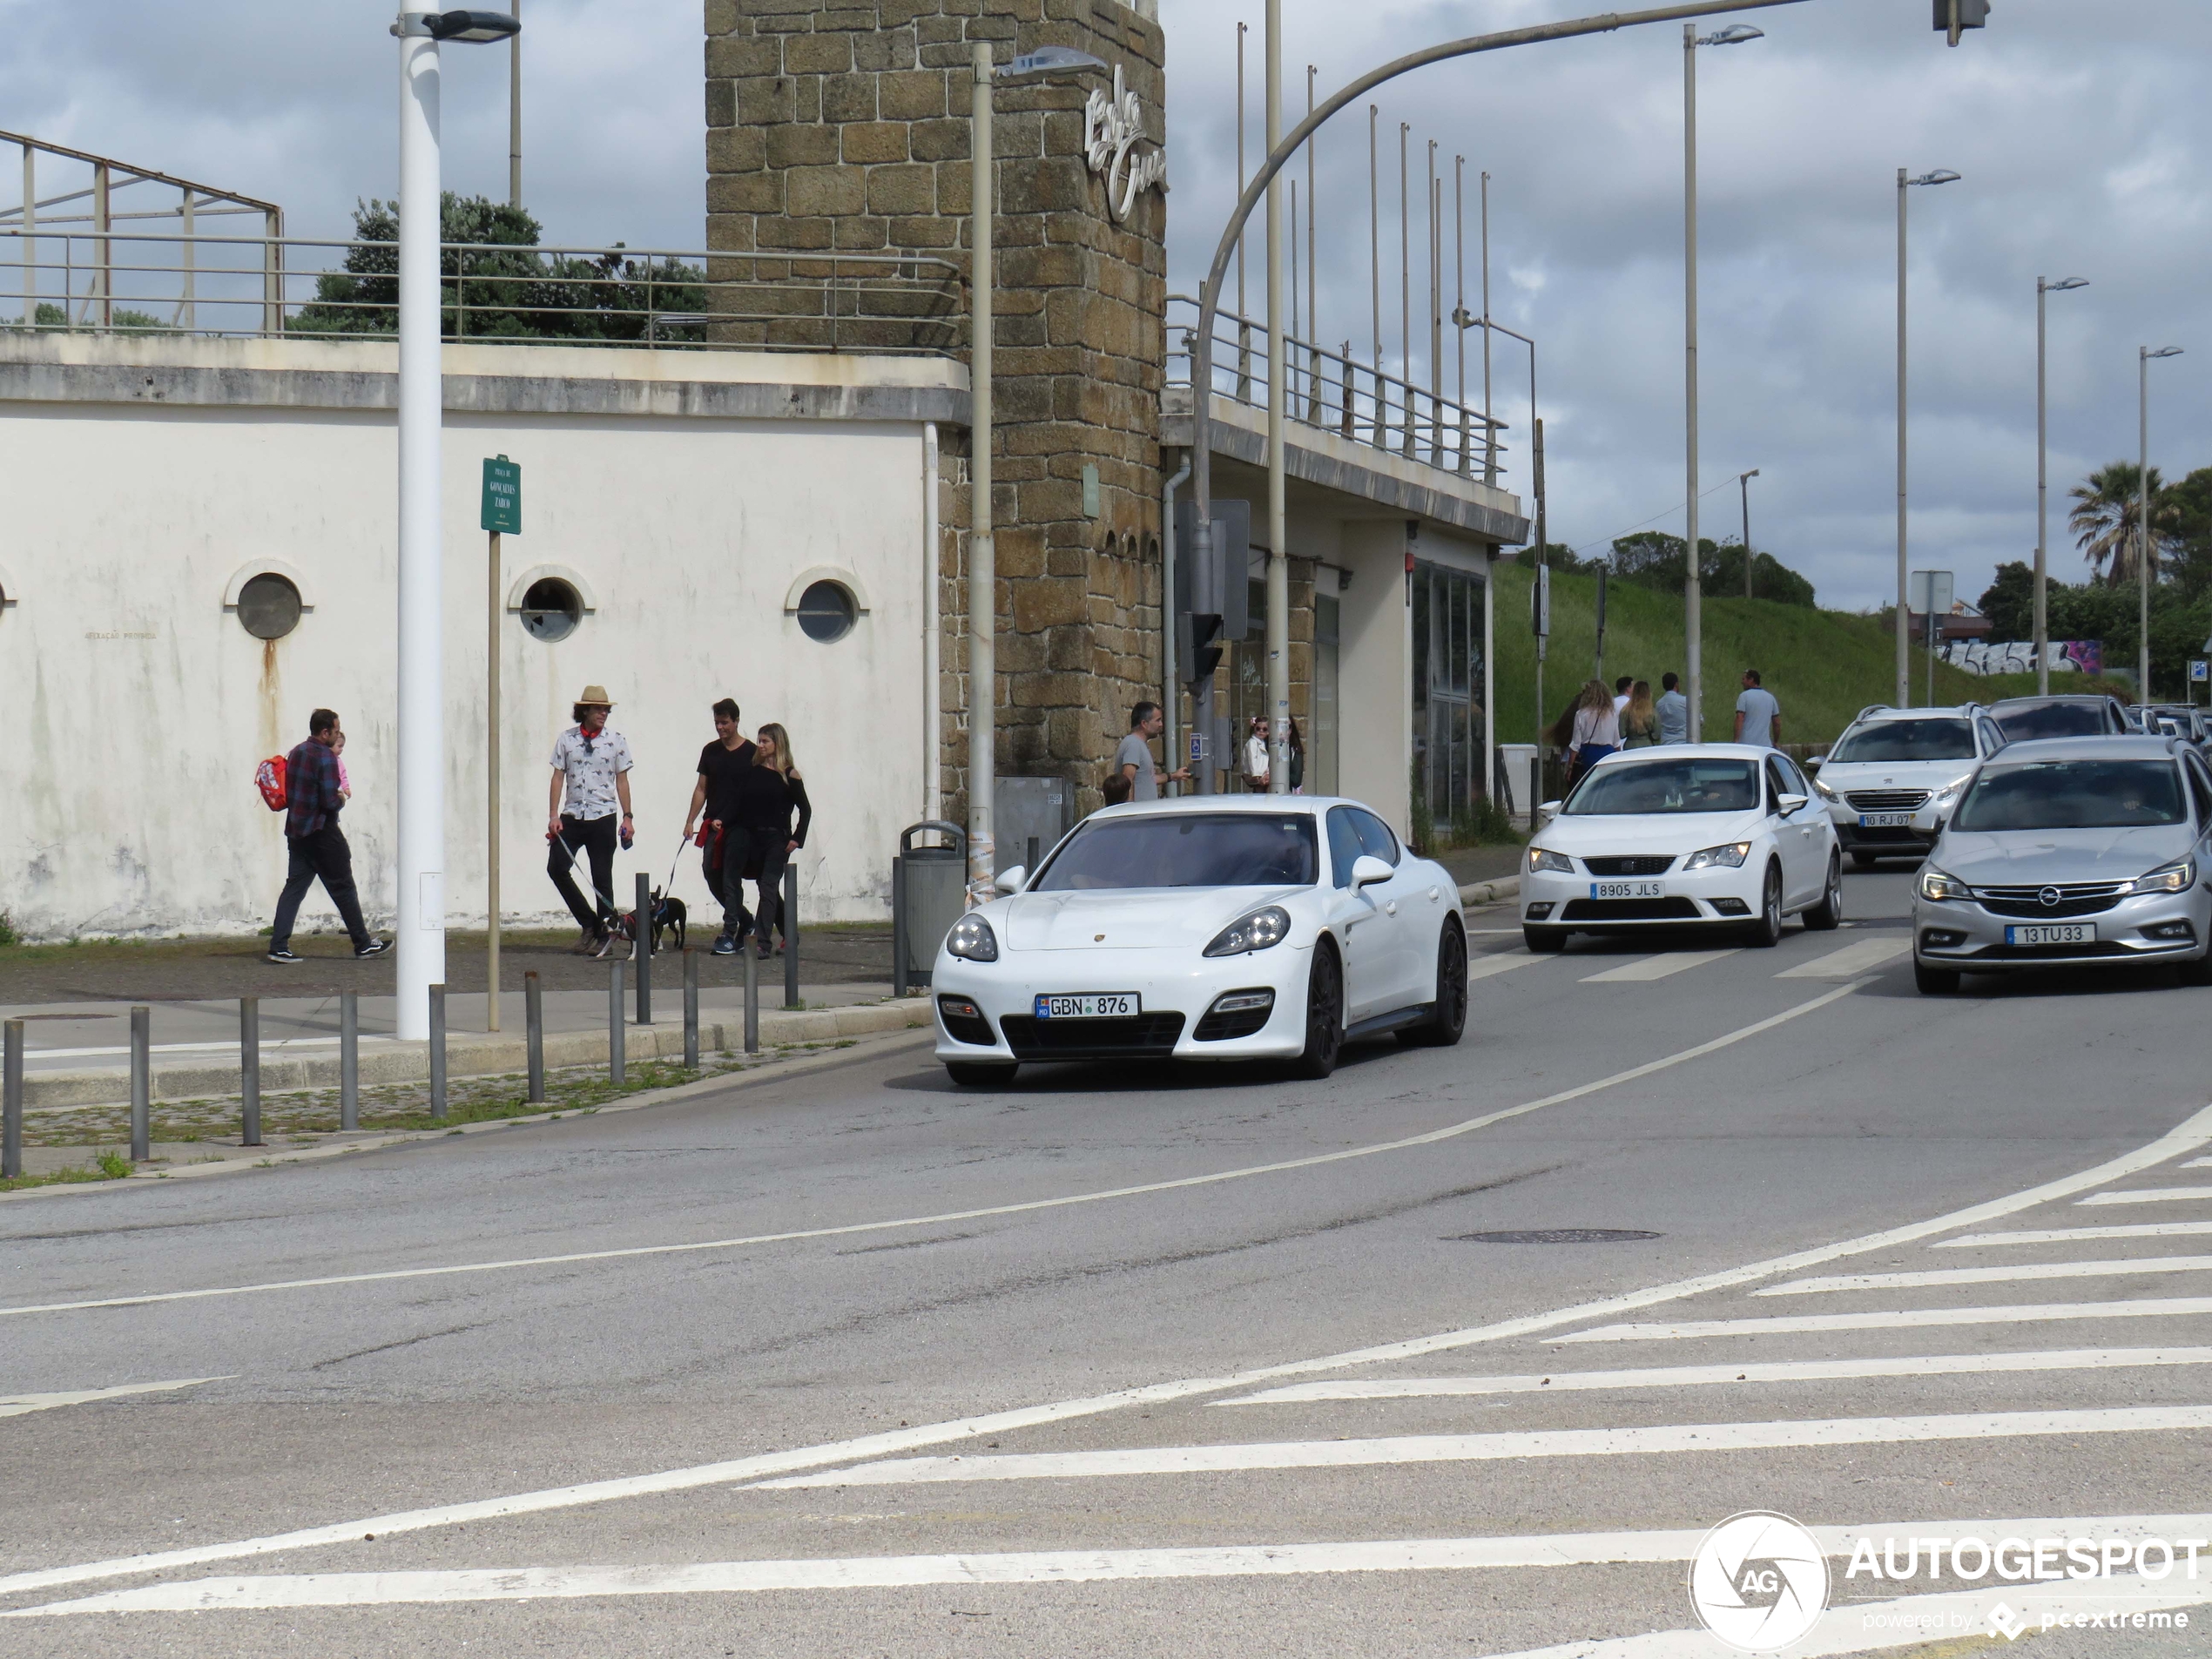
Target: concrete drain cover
1555 1236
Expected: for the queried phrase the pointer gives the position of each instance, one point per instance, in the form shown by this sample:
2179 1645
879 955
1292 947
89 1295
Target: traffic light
1197 653
1952 16
1212 604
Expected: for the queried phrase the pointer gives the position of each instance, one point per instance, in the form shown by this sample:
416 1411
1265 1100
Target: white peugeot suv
1888 765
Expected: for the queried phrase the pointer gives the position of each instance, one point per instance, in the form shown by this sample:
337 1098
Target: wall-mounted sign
1113 127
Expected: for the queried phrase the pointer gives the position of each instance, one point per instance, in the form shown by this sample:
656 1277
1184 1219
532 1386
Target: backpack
269 778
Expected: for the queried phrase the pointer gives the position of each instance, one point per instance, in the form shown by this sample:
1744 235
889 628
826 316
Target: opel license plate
1090 1005
1628 889
2054 932
1884 820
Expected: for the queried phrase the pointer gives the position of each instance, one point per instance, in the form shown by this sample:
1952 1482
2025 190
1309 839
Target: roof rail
1871 708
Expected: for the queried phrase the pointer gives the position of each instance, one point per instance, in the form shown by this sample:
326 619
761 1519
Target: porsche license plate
1092 1005
1628 889
2054 932
1884 820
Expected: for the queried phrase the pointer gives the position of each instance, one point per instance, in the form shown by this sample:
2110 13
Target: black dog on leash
669 917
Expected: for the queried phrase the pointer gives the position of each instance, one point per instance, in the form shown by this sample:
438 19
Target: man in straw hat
592 764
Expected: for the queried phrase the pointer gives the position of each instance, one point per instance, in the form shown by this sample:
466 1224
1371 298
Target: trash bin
929 895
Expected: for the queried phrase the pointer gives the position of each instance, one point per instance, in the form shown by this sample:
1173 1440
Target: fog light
1941 938
959 1008
1538 912
1237 1001
2177 931
1731 907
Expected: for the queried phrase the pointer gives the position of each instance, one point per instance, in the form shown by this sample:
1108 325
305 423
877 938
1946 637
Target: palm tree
2104 520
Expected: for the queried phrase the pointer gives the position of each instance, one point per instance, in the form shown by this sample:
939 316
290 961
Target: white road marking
2185 1137
1511 1446
1662 967
1032 1567
1450 1132
1504 962
1931 1364
1990 1275
2150 1195
2079 1235
1898 1319
2198 1164
17 1405
1854 959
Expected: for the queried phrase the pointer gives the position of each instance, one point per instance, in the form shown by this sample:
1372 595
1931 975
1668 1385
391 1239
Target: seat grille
1151 1035
2026 903
1629 867
1630 910
1888 800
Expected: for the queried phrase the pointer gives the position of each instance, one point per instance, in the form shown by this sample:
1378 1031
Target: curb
1478 892
480 1056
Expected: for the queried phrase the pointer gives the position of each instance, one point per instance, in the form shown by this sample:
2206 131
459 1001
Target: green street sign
502 512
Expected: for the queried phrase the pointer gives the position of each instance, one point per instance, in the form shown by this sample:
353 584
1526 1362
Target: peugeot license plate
1884 820
1090 1005
2054 932
1628 889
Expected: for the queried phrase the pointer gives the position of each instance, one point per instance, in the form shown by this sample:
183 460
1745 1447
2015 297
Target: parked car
1888 765
2073 714
2071 852
2178 720
1223 927
1715 835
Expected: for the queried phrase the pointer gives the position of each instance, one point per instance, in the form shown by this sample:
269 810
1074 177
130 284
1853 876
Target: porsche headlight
1941 884
1730 857
2177 877
1266 927
972 937
1542 857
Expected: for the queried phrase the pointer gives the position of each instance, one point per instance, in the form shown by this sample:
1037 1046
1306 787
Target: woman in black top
766 794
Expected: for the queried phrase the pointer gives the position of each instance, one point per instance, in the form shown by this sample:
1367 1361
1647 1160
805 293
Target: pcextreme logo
1759 1582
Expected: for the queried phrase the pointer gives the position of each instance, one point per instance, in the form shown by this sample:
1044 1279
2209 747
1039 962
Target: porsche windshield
1186 850
1896 741
2074 794
1652 787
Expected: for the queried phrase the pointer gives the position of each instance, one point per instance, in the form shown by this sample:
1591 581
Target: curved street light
2043 477
2145 357
1941 176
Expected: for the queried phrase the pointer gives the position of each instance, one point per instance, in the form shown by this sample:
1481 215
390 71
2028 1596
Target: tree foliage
1651 559
2106 518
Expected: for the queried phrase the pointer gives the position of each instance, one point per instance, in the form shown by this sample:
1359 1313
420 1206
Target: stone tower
845 128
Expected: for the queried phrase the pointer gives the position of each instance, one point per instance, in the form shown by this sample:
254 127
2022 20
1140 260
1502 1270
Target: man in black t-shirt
721 763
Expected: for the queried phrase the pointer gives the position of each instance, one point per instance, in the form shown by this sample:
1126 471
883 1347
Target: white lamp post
2144 357
2043 477
421 919
1941 176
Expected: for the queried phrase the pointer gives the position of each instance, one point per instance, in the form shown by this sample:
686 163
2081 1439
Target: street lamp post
982 557
1744 483
2043 477
1941 176
420 919
1692 595
2144 355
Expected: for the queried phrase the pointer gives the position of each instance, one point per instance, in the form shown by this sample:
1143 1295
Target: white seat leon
1213 927
1715 835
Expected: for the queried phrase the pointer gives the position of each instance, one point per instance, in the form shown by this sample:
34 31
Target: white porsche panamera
1703 835
1218 928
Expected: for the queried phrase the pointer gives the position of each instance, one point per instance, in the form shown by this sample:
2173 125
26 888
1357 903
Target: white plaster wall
1375 669
138 706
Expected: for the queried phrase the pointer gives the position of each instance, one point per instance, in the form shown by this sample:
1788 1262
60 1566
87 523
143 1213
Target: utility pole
1743 482
1279 561
982 555
1941 176
2043 476
1489 431
2145 357
1693 599
514 116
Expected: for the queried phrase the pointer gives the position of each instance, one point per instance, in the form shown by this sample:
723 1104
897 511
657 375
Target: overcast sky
2080 125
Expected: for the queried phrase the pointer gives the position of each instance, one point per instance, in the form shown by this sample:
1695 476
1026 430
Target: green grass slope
1824 666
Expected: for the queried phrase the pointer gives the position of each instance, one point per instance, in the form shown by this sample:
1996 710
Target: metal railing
1332 390
108 282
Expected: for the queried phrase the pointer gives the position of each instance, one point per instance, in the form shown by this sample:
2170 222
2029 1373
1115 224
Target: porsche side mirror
1368 869
1012 880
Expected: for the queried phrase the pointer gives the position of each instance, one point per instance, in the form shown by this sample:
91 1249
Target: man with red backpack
313 796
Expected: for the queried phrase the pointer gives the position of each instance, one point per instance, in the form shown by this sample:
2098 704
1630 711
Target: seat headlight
1269 926
1941 884
1730 857
972 937
1542 857
2177 877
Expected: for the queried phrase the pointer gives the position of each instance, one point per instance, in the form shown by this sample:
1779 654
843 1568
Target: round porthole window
268 606
551 608
826 611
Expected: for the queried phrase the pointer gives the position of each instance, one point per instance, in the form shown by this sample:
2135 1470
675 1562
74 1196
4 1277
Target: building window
826 611
551 608
268 606
1449 720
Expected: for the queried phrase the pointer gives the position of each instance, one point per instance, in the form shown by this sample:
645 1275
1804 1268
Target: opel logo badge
2046 897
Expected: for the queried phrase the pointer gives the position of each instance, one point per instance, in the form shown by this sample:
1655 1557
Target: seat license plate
1884 820
2054 932
1628 889
1092 1005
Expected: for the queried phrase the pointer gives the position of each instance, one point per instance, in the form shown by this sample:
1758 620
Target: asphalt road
1176 1362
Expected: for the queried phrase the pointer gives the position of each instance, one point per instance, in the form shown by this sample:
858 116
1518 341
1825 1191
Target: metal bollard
141 1084
349 1060
438 1051
691 1009
12 1101
644 949
791 936
752 1000
534 1034
615 1055
1535 788
249 1070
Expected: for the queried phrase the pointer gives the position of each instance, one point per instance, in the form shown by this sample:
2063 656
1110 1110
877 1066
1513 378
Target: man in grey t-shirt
1758 716
1673 711
1133 760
